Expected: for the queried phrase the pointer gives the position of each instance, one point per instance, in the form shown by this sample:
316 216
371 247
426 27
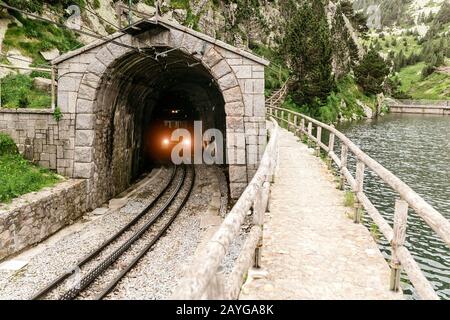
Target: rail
401 257
203 279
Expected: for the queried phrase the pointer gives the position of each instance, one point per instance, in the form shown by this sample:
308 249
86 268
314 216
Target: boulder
367 110
42 84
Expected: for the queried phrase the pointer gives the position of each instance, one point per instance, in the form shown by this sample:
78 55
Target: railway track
97 274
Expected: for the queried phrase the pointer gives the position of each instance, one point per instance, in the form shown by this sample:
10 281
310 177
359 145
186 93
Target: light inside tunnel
141 101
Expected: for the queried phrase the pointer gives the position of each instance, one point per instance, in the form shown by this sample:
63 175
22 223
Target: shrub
427 70
7 145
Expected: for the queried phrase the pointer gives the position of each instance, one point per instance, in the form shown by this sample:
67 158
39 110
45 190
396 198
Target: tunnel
137 93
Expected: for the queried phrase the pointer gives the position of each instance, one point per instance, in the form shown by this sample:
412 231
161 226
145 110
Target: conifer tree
371 73
307 46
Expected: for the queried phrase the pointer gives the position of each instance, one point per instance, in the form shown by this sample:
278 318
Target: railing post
282 118
319 140
302 128
309 134
344 156
398 240
259 210
215 290
296 125
289 122
330 148
359 188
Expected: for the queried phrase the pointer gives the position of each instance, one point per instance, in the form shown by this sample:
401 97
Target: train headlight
165 142
187 142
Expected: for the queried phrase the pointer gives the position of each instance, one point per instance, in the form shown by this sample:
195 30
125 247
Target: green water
416 148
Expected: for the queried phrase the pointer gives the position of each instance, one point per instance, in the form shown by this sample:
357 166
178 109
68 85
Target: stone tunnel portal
136 94
113 90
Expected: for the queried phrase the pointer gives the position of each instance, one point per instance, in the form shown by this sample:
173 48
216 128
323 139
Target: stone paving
312 249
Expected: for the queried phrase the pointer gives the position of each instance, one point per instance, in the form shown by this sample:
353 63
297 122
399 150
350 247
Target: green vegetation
18 92
57 114
277 73
7 145
371 72
435 86
307 46
375 231
38 5
417 58
17 175
342 103
35 36
349 199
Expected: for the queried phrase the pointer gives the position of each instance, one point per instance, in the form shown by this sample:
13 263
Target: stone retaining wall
33 217
40 138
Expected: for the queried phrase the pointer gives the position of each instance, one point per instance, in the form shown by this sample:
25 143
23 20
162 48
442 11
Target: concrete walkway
312 249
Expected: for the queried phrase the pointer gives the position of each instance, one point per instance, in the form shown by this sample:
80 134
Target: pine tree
371 73
307 46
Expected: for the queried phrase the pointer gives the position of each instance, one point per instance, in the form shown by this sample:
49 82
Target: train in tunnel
173 113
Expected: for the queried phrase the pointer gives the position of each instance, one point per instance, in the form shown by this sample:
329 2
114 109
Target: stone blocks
33 217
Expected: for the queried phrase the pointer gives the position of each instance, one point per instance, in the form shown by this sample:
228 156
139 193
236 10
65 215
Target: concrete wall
33 217
420 109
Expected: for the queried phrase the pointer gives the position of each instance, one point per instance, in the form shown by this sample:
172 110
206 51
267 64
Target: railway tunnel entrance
118 90
141 101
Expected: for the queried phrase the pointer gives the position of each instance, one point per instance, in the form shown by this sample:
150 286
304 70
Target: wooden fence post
302 128
289 121
344 156
360 166
296 125
400 222
330 148
259 210
309 134
216 290
319 140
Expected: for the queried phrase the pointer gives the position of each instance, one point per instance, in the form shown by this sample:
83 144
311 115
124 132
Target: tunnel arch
104 87
131 92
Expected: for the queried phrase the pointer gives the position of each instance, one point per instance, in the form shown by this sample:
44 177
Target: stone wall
33 217
40 138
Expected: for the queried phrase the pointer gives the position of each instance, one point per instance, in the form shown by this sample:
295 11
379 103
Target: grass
17 175
349 199
35 36
405 43
18 92
434 87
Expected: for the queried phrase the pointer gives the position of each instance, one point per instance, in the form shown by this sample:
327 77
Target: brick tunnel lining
129 96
